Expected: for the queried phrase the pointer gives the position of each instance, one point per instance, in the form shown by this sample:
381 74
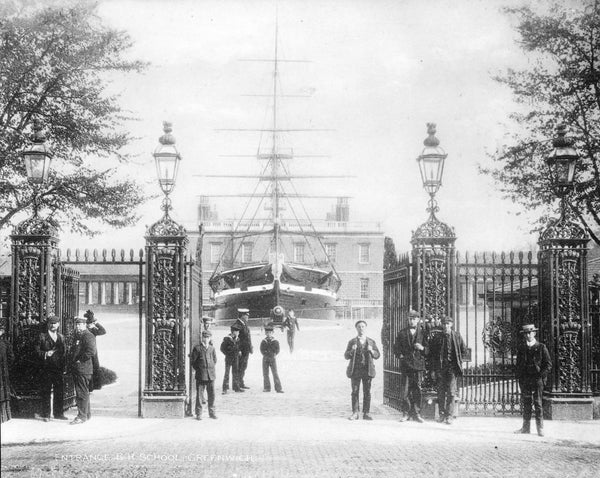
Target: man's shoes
449 421
213 416
37 416
198 417
403 418
61 417
239 391
441 419
522 430
244 387
77 421
540 431
266 390
279 391
224 392
354 416
417 418
366 416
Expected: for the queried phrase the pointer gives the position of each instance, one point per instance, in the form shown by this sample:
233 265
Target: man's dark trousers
52 378
82 392
411 392
272 364
366 383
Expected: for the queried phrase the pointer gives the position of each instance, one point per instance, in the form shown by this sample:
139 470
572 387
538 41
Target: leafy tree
55 66
560 85
390 258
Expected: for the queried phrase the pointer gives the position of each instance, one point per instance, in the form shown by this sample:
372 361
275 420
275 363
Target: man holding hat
231 349
410 348
361 351
82 355
269 348
532 368
50 349
204 359
245 344
95 328
447 350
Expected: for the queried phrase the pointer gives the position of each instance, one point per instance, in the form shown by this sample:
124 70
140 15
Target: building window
331 250
215 252
363 254
247 252
299 253
364 288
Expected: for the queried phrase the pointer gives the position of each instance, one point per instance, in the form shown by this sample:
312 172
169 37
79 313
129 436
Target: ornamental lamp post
167 160
564 310
561 163
37 156
431 165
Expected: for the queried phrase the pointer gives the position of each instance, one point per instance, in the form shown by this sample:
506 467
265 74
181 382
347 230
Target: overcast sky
378 72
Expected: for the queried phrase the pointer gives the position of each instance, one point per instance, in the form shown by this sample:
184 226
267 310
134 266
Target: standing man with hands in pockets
410 348
361 351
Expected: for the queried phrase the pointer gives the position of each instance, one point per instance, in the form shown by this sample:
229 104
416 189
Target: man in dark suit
50 349
95 328
410 347
532 369
203 361
231 349
361 351
82 368
447 350
245 344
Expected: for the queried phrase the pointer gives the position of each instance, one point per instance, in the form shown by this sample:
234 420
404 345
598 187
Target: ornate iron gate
491 296
496 294
594 291
397 297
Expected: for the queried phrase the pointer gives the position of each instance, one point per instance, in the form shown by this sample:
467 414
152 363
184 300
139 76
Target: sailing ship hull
307 303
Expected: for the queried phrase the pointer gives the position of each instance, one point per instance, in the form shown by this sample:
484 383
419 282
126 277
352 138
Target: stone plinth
163 407
568 408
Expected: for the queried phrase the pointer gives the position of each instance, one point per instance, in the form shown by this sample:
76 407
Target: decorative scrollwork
435 300
164 368
568 281
36 226
166 227
497 335
563 229
433 228
569 358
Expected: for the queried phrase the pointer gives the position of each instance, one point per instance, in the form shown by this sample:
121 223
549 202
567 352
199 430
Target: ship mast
275 160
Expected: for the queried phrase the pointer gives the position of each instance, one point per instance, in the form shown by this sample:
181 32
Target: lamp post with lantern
433 259
164 388
565 324
34 245
433 242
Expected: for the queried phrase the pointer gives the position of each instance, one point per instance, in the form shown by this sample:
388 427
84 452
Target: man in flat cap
82 355
230 347
410 347
361 351
203 361
245 344
269 348
447 350
50 349
532 369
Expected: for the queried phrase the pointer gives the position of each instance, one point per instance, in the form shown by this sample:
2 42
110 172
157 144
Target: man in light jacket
361 351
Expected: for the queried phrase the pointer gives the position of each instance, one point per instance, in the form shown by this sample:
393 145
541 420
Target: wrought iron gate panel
594 304
496 294
397 296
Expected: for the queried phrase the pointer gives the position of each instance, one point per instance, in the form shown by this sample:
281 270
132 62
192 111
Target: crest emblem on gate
497 336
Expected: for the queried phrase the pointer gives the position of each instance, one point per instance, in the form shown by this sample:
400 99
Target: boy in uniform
269 348
204 359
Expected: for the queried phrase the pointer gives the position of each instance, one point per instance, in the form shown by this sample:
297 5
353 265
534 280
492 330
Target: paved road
301 433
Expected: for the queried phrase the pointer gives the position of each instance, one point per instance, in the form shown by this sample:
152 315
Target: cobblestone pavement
303 432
